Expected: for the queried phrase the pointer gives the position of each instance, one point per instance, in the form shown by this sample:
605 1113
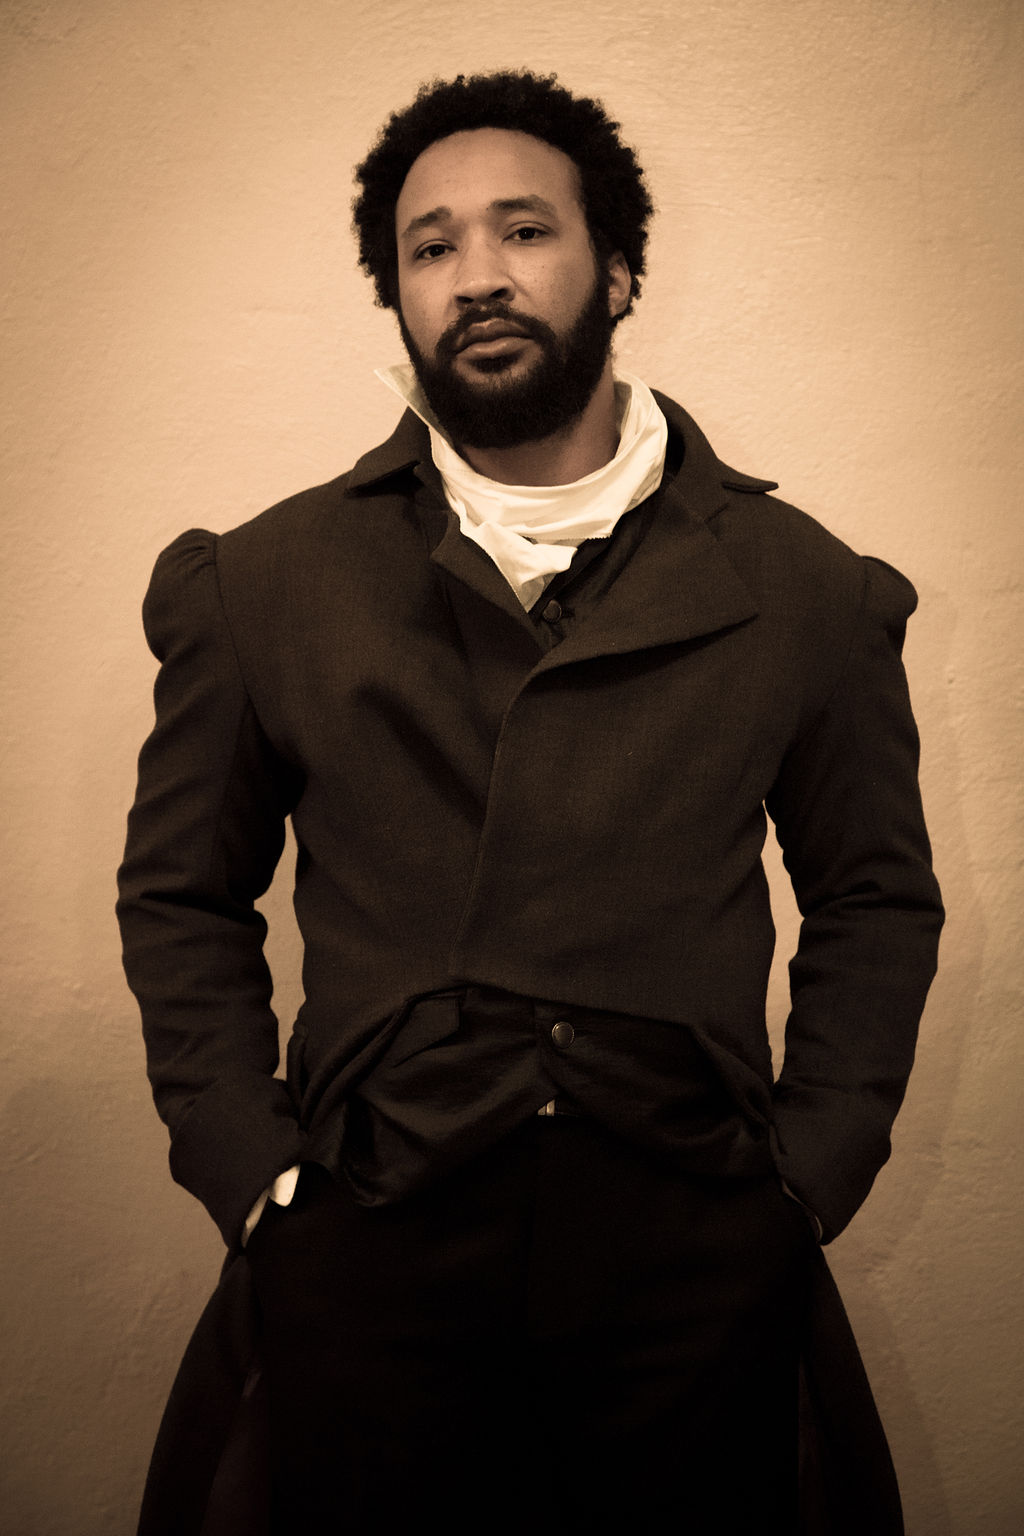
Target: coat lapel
677 586
408 450
468 563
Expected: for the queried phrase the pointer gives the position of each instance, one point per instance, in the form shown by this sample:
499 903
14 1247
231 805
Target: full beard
501 408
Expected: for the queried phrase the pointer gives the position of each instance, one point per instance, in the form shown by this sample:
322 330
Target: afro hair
616 203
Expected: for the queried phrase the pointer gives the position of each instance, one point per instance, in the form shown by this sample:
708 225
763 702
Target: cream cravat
532 531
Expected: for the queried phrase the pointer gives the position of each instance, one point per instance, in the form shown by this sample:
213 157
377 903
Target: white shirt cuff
281 1192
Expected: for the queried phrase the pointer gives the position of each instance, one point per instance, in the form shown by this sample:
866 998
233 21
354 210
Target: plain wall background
834 292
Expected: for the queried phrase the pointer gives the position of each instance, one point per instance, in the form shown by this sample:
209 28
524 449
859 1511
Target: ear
620 283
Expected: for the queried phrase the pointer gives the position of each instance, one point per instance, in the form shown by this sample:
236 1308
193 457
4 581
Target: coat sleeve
848 816
204 836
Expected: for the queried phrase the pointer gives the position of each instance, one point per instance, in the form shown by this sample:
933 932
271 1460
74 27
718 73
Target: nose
482 275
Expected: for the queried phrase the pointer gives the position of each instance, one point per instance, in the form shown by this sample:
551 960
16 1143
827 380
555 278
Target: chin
487 369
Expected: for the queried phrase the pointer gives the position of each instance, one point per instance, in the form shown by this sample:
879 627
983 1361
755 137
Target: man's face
503 310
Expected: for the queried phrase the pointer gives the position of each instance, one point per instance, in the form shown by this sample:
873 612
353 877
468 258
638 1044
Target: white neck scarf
532 531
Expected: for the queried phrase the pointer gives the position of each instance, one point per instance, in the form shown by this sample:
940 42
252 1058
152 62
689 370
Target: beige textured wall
835 292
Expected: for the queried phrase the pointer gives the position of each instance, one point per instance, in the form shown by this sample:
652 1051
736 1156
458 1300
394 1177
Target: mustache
451 340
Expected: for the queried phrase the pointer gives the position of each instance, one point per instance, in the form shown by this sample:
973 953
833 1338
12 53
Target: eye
431 251
526 234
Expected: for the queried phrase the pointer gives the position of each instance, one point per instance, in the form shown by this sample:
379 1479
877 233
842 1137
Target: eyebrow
530 204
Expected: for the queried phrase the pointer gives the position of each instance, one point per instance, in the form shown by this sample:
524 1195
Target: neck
578 450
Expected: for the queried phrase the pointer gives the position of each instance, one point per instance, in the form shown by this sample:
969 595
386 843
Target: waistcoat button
562 1034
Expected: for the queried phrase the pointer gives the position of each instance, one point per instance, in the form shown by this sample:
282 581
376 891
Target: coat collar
407 447
678 585
706 475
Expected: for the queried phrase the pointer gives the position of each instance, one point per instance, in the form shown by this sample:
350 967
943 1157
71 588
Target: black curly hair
616 203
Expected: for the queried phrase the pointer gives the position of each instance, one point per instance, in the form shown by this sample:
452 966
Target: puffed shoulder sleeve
204 835
848 816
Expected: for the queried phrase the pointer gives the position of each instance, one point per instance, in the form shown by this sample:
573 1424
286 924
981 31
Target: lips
485 332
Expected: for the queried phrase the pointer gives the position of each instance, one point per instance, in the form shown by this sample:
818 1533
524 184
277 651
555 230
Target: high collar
532 532
703 480
678 585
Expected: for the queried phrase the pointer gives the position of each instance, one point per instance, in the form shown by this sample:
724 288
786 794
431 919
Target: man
540 1243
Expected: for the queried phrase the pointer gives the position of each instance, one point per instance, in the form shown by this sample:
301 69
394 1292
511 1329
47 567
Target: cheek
411 308
423 305
567 287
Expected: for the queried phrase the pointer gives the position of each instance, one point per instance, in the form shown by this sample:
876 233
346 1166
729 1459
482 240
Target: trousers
567 1335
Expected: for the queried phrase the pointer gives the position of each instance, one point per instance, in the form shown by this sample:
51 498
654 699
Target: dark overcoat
583 823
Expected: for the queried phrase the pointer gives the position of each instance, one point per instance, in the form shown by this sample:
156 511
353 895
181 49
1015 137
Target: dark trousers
564 1336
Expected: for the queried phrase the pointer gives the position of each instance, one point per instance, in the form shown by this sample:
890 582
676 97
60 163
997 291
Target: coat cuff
827 1154
231 1144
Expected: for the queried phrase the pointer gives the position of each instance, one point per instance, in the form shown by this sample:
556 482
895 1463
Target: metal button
552 611
562 1034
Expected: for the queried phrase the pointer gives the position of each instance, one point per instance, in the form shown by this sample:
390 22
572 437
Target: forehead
468 171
